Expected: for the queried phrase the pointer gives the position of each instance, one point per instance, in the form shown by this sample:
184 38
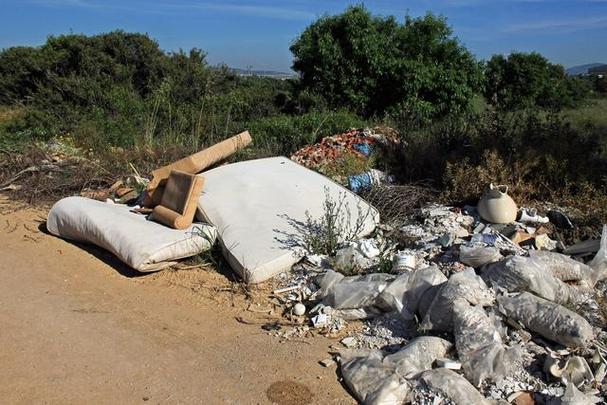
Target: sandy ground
77 327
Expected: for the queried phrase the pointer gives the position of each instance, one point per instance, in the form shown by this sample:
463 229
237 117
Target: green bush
373 65
525 80
121 89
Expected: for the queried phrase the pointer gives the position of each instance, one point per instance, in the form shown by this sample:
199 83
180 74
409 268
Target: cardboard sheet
259 206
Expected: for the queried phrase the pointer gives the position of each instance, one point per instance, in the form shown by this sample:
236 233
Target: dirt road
73 329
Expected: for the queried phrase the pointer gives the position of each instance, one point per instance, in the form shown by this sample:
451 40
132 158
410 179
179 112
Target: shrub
524 80
374 65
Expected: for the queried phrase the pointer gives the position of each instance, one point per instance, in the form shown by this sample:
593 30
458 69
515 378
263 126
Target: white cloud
155 7
574 24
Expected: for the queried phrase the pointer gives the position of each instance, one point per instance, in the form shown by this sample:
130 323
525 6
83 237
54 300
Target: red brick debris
331 147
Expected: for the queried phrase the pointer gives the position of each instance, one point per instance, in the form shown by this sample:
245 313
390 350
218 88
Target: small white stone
448 363
349 342
299 309
327 362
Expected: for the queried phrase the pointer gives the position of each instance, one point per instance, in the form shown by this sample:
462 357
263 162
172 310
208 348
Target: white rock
327 362
448 363
349 342
299 309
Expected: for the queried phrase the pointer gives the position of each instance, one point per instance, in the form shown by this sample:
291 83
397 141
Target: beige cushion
178 205
256 206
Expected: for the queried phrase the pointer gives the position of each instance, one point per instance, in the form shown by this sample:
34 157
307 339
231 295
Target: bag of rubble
519 273
405 293
342 292
548 319
478 340
438 315
453 386
599 263
565 268
475 255
375 379
371 381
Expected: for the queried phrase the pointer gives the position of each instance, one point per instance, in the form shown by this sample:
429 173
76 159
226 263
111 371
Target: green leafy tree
376 65
524 80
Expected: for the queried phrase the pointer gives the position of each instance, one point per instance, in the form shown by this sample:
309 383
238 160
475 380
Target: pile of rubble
456 309
357 143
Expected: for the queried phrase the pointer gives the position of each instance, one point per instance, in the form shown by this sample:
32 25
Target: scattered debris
510 302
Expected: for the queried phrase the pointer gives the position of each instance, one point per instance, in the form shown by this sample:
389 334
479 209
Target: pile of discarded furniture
254 208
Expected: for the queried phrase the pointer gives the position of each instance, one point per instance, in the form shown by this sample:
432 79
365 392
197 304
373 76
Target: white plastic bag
479 345
371 380
405 293
342 292
465 285
475 255
418 355
599 263
565 268
519 273
375 379
548 319
453 386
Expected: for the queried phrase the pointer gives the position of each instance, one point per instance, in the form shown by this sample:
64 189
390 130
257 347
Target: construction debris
509 307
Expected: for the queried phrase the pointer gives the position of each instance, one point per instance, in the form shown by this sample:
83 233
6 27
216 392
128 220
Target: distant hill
264 73
582 69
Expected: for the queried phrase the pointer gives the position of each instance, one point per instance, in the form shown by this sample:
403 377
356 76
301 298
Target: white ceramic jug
497 206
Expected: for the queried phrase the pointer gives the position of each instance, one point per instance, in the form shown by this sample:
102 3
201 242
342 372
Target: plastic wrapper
342 292
375 379
453 386
475 255
565 268
518 274
465 285
479 345
599 263
548 319
405 293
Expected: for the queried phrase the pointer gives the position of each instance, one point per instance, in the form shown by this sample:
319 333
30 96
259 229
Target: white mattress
255 206
144 245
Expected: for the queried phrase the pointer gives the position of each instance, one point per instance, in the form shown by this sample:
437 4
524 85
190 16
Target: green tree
523 80
375 65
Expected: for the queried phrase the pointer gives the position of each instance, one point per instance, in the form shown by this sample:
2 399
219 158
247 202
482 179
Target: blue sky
258 32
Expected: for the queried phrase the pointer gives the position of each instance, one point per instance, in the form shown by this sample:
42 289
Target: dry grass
8 114
43 174
397 202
